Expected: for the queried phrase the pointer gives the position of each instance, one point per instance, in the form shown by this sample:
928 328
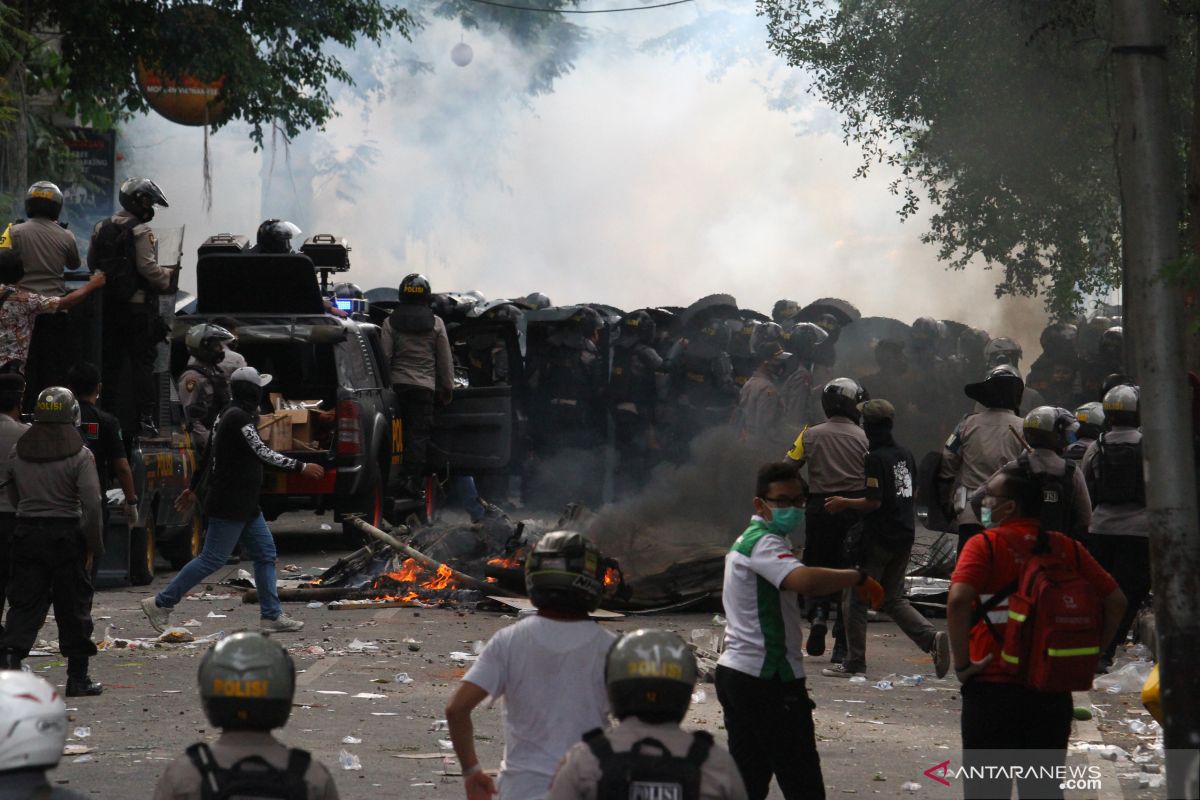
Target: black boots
79 684
9 661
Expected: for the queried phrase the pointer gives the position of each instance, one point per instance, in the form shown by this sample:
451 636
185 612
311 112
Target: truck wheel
141 553
188 543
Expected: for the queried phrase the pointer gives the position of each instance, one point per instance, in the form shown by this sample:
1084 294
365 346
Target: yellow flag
6 237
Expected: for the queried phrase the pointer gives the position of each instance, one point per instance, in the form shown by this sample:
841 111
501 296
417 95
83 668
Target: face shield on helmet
139 196
206 342
565 571
785 311
33 722
276 235
650 675
247 682
841 396
1002 350
637 327
1111 347
43 199
1058 340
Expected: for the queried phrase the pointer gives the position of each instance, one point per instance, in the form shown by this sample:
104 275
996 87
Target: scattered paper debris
348 760
445 744
370 695
440 725
327 691
77 749
83 759
81 732
176 636
316 604
402 677
211 615
193 623
884 685
699 696
351 740
359 646
911 786
384 714
462 657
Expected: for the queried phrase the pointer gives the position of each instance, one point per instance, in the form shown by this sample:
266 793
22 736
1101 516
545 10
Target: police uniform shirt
10 431
1046 461
67 488
834 452
181 780
46 249
579 775
102 434
760 406
1114 519
145 250
980 445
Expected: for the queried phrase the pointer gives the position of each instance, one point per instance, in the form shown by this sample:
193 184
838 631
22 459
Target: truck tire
187 543
141 553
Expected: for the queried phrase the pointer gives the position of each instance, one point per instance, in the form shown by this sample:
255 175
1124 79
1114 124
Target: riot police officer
1119 536
1066 506
53 484
785 313
569 383
1003 350
1055 373
633 396
203 387
101 434
741 353
1108 359
702 384
760 405
650 676
275 236
1091 423
124 247
421 367
982 443
46 248
247 683
835 453
487 350
802 340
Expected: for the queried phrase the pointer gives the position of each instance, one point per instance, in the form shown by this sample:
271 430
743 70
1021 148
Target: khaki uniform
46 249
145 252
419 359
181 780
797 398
1051 463
761 411
202 400
981 444
579 775
835 452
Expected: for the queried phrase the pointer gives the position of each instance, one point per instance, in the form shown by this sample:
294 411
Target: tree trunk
1146 165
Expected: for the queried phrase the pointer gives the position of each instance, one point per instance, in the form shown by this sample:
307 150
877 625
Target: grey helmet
206 342
767 342
785 311
565 571
803 339
56 405
841 397
43 199
1002 350
139 196
1091 420
650 674
247 682
536 301
1122 406
1049 427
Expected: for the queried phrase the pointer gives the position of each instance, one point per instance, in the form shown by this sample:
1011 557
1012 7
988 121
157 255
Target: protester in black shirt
233 469
884 543
101 433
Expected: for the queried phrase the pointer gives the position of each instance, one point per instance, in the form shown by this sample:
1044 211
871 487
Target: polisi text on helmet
239 688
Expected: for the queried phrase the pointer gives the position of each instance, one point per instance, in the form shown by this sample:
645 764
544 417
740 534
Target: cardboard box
287 428
276 431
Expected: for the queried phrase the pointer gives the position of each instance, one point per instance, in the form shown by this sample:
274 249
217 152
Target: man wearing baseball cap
232 474
883 543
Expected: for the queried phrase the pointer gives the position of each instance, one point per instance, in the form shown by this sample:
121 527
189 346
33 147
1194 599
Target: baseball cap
249 375
876 410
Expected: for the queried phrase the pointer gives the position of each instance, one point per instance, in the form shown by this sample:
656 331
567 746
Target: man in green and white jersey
760 675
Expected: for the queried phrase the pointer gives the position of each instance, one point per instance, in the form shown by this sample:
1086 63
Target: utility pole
1150 225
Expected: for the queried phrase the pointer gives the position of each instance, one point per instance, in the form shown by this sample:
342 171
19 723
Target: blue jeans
220 538
468 496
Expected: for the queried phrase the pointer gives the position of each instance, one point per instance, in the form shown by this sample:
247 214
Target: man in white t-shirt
760 675
549 669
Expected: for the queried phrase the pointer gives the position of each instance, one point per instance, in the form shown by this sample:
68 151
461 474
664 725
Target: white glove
131 513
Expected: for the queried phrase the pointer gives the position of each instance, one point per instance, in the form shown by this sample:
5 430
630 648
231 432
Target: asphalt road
872 741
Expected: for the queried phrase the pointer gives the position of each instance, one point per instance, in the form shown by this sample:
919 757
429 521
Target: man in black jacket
233 469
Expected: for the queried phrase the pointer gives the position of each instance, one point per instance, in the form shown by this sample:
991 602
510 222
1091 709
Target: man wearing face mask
233 470
887 535
760 675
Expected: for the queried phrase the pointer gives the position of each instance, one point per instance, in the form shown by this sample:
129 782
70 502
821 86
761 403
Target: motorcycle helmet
785 311
275 236
1049 427
206 342
33 722
841 396
636 327
1002 350
1058 340
1091 420
139 196
247 682
1121 406
43 199
56 405
564 571
415 289
650 674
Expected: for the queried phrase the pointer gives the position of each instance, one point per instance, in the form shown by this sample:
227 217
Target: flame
412 573
408 572
512 562
443 579
611 577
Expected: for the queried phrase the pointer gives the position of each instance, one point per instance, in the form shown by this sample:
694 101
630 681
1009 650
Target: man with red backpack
1027 614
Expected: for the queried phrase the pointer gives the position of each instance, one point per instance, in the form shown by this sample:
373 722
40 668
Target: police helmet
206 342
971 343
650 674
803 339
275 236
926 331
785 312
741 335
1114 379
841 396
43 199
34 727
1111 347
349 291
1002 350
564 571
767 342
1002 387
56 405
536 301
504 312
246 683
415 289
1049 427
587 320
637 327
1091 420
1121 406
139 196
1059 339
716 333
828 323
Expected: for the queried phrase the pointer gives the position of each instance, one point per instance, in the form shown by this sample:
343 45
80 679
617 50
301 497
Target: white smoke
677 159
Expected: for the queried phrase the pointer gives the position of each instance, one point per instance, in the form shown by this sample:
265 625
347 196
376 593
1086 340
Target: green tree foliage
997 114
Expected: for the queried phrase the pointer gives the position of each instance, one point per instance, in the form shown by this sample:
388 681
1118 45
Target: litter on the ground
1129 678
359 646
351 740
83 759
328 691
316 604
211 615
193 623
700 696
402 677
76 749
348 760
440 725
384 714
858 679
884 685
462 657
81 732
445 744
370 695
176 636
911 786
912 680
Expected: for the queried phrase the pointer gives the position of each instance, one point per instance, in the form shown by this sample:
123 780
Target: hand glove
870 592
131 514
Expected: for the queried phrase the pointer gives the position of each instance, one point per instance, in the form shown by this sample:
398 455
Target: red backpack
1051 641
